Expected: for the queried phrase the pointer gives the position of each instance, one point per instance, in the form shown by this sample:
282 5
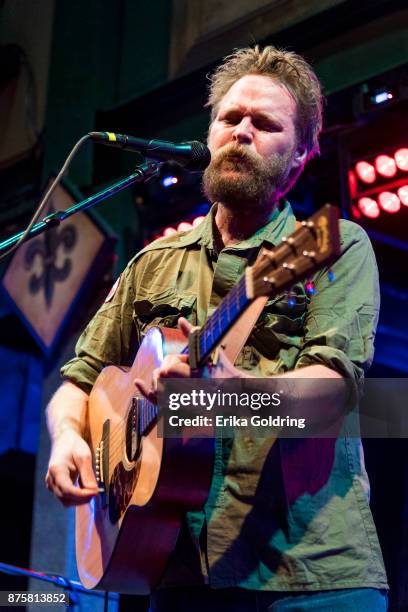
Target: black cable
47 196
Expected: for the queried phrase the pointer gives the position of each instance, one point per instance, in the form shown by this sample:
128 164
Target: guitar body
125 535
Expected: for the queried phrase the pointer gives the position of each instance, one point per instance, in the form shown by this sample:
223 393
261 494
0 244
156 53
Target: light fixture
389 201
369 208
365 172
385 165
401 159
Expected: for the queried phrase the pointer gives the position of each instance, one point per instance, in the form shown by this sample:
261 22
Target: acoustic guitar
126 534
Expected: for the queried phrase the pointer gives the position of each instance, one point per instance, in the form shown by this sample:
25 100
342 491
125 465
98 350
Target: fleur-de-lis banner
47 273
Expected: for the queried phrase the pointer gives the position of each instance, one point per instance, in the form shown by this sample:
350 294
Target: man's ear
300 157
296 167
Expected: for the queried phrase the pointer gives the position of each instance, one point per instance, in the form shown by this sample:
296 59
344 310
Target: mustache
232 152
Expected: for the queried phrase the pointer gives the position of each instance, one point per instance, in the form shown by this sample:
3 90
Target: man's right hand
70 460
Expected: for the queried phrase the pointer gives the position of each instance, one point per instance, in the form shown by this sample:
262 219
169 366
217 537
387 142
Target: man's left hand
173 366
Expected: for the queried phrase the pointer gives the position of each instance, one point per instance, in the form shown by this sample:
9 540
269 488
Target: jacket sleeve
342 316
110 338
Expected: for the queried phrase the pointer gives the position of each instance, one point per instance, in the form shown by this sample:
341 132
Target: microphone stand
73 587
143 173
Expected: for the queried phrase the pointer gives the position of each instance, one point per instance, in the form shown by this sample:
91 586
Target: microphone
193 155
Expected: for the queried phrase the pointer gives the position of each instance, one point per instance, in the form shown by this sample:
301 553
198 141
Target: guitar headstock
314 244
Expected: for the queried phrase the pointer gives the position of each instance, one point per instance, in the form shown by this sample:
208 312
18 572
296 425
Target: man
287 525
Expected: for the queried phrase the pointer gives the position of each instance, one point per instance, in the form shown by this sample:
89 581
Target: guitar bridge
102 464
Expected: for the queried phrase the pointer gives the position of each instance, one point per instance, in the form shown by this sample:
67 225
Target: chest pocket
163 309
281 325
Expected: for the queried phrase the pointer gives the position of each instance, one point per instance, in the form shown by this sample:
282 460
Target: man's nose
242 132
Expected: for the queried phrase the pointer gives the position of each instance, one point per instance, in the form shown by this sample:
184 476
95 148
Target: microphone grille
200 156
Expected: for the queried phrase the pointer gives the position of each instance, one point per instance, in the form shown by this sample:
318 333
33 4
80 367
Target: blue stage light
382 96
168 181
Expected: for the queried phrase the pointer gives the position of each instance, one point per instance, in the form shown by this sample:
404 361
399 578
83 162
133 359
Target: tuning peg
290 242
310 287
310 254
270 281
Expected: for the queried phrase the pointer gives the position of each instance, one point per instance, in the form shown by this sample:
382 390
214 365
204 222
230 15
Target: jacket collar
282 223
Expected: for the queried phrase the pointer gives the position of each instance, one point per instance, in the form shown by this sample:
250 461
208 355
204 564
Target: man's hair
287 68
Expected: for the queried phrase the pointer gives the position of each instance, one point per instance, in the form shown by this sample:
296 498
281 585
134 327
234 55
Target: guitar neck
222 319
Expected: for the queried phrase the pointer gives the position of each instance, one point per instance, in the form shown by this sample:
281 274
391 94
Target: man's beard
254 181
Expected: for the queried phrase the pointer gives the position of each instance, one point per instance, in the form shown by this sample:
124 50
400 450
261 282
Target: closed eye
231 119
267 126
259 121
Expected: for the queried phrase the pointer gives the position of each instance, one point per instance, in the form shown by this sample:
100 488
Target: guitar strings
118 434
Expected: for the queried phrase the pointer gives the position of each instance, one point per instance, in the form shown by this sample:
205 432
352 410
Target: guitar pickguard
121 487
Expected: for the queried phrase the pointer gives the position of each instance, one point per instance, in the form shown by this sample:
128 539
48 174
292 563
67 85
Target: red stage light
401 158
352 180
168 231
385 165
369 207
355 212
198 220
403 194
184 226
365 172
389 201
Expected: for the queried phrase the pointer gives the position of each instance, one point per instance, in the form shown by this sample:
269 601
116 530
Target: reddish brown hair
286 67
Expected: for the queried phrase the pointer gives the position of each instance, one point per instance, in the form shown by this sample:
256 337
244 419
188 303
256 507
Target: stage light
385 165
168 181
382 96
403 194
184 226
355 212
369 208
198 220
401 158
168 231
365 172
352 180
389 201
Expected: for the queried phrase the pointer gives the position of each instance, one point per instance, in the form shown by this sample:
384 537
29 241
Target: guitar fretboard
147 415
217 325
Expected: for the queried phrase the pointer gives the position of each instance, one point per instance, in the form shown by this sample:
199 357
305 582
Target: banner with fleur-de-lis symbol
47 273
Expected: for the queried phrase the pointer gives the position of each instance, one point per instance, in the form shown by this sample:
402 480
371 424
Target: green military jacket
281 515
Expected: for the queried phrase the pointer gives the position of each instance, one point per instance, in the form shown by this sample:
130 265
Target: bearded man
286 526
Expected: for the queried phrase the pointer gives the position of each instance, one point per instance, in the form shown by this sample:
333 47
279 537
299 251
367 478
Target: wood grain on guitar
125 535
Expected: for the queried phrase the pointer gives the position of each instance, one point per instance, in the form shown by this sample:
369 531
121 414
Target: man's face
253 144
